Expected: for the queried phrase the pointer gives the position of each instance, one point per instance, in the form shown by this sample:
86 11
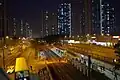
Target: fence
111 74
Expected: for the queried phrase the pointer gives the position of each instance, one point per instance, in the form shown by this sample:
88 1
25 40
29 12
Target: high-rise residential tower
49 23
103 18
64 19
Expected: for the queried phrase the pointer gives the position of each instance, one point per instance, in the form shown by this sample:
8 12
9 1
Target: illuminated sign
93 37
116 37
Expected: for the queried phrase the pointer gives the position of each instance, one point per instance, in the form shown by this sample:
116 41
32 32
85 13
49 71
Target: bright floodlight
115 60
11 39
23 38
78 36
102 34
65 36
0 3
94 34
7 37
82 56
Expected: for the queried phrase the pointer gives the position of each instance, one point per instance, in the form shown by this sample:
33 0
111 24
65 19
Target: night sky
29 10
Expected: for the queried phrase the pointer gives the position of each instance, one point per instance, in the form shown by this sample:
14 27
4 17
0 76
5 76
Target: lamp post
78 37
4 31
89 66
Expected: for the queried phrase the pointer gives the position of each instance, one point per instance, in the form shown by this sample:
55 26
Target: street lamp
4 32
65 36
102 34
72 36
69 36
0 4
7 37
87 35
108 34
11 39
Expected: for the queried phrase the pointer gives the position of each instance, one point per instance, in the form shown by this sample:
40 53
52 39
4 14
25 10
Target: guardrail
100 68
83 68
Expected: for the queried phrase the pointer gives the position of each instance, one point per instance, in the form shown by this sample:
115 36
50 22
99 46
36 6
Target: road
62 71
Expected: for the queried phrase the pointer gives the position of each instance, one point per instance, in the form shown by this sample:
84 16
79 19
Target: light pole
89 66
4 31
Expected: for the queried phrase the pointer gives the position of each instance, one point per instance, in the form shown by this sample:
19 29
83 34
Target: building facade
76 7
103 18
49 23
3 19
107 19
64 19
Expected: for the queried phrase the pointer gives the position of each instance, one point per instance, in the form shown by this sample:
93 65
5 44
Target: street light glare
7 37
0 4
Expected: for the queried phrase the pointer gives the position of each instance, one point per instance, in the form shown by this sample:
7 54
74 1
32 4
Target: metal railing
111 74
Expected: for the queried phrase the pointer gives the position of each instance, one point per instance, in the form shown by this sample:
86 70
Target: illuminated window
0 3
62 12
108 12
53 14
108 18
112 8
92 1
46 12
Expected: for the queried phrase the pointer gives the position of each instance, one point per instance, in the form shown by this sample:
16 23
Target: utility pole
4 31
89 65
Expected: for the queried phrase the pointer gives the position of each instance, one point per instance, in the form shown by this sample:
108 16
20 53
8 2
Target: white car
10 69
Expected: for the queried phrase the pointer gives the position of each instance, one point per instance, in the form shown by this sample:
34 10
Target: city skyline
35 20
